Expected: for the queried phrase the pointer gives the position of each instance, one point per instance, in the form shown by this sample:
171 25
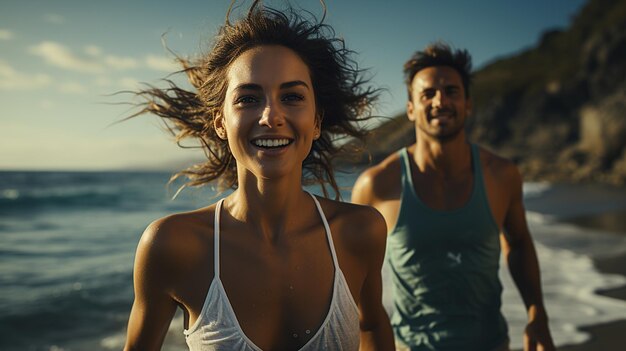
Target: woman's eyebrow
257 87
294 83
248 86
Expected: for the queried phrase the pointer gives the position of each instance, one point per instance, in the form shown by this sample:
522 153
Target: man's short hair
439 54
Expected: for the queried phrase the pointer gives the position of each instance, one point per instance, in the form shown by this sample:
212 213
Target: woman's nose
272 116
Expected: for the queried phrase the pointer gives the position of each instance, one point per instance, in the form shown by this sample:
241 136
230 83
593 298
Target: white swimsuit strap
216 239
329 237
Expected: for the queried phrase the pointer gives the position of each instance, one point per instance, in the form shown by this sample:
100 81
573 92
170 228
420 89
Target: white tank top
217 328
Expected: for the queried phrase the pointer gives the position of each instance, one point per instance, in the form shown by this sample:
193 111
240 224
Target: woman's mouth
271 143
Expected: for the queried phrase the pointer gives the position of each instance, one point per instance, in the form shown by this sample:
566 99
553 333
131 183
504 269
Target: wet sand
614 222
609 336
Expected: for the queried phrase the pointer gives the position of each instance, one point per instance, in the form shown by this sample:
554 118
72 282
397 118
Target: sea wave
13 199
570 285
535 189
541 218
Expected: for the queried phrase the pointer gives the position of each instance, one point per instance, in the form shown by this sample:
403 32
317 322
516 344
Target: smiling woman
272 119
270 266
342 95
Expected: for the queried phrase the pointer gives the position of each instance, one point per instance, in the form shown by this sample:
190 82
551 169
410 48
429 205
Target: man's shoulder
379 181
499 167
381 172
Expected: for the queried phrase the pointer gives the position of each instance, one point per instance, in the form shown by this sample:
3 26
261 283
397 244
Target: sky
61 60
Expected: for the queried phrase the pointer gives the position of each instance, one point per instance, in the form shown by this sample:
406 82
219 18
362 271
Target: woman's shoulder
351 212
182 224
360 227
178 238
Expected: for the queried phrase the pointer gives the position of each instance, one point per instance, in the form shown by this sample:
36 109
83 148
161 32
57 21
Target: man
450 206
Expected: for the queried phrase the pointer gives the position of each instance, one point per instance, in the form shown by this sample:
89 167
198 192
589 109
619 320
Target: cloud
120 63
161 63
129 83
54 18
6 34
93 50
94 61
47 104
10 79
73 88
58 55
102 81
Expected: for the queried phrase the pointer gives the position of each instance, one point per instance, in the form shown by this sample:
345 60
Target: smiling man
450 206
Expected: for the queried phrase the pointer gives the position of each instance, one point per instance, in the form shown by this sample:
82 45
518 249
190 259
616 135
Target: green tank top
444 264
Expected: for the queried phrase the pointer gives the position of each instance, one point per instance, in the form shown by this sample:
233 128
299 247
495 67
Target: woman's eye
293 97
247 99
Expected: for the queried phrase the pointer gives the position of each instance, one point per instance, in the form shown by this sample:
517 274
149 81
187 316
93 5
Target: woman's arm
153 307
376 331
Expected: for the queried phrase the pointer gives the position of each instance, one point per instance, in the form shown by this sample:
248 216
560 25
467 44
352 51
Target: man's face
438 105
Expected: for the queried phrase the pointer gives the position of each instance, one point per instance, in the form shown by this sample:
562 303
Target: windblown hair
342 94
439 54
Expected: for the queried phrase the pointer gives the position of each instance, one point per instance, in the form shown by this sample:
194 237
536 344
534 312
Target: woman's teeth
270 142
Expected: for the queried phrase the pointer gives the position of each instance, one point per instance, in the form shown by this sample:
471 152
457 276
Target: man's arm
521 257
362 191
376 331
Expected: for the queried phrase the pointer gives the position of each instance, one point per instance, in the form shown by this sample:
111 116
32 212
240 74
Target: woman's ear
220 128
318 125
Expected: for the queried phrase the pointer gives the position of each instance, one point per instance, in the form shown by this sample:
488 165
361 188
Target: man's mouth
269 143
442 116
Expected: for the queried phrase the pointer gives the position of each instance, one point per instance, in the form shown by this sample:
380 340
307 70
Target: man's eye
452 91
428 95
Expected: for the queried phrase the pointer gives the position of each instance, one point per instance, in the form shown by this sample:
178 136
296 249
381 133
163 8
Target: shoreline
608 336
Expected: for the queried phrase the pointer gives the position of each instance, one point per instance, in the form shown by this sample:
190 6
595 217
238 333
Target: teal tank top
444 264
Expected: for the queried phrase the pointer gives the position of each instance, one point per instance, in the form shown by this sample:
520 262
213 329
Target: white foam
114 342
9 194
537 217
569 280
535 189
569 285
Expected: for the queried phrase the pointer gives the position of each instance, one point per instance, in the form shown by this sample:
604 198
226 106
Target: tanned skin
275 261
443 178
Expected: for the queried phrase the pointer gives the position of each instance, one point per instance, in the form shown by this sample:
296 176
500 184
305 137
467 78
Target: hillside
558 109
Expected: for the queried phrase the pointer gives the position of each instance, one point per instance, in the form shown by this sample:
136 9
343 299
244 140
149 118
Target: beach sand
609 336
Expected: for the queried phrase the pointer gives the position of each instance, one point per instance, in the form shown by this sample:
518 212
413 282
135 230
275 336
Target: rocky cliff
558 109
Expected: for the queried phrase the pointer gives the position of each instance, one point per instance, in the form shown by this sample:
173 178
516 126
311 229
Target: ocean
67 241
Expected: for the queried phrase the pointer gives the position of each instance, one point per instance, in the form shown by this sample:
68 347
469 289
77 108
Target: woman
271 266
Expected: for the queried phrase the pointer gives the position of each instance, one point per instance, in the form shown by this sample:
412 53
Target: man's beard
446 135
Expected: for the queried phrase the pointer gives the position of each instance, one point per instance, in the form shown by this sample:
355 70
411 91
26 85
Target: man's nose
440 99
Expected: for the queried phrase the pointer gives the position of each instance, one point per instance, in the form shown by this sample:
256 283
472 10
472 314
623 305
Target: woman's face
269 112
